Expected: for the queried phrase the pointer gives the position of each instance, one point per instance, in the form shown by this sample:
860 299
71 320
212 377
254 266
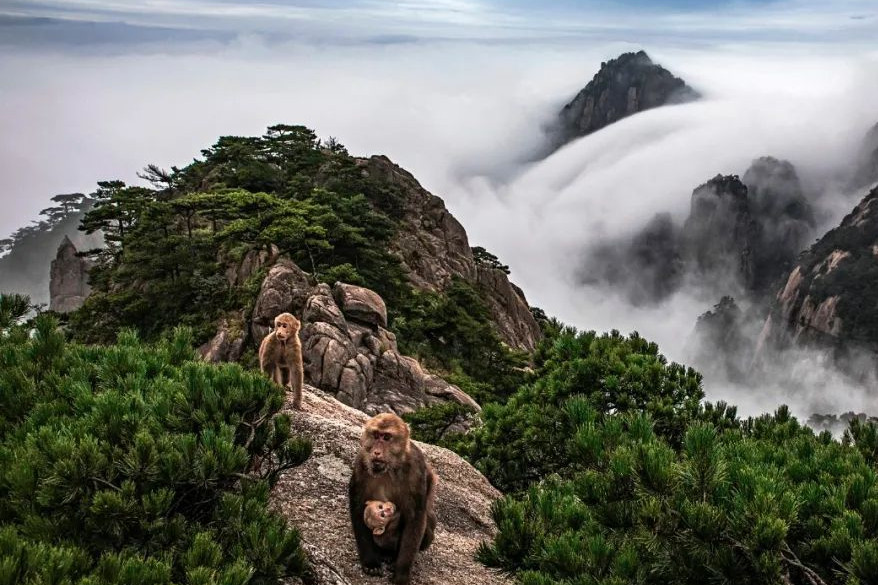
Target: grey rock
68 281
826 301
360 304
359 362
313 497
253 260
284 290
228 343
434 249
720 234
321 308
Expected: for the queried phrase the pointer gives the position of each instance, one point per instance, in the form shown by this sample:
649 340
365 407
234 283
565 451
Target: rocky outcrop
719 235
347 351
68 280
313 498
228 343
741 237
784 217
346 347
624 86
284 290
434 249
828 298
254 260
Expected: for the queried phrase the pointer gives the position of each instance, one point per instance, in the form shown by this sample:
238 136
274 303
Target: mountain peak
623 86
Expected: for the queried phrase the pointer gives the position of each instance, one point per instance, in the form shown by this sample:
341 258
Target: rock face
284 290
867 166
828 298
68 281
784 217
347 351
313 497
719 236
253 260
629 84
741 237
346 348
434 249
228 343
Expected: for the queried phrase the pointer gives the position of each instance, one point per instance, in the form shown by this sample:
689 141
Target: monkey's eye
386 436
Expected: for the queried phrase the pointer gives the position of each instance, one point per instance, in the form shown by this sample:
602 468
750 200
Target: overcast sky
384 21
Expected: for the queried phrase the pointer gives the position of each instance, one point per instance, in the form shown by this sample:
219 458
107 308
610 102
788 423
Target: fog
465 118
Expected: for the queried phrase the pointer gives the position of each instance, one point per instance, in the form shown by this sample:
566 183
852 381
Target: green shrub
526 439
766 502
438 424
136 464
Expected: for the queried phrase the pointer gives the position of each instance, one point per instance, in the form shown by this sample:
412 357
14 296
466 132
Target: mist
465 118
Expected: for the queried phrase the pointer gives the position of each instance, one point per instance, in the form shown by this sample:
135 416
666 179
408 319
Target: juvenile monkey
379 517
281 353
389 467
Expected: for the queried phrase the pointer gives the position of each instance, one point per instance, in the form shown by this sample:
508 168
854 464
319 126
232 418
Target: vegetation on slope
616 474
855 277
168 248
135 464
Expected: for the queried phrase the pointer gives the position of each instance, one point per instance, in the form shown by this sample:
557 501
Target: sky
333 21
457 91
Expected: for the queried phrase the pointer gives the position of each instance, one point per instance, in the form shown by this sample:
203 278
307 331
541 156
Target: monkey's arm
414 526
297 380
370 556
265 354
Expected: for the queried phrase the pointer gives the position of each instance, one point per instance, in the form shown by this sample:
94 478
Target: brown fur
389 467
280 356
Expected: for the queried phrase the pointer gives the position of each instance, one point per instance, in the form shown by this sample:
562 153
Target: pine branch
811 575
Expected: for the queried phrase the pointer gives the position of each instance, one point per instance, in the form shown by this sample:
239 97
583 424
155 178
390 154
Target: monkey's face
285 326
378 514
385 510
384 443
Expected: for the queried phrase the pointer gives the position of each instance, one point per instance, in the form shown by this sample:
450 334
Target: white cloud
459 116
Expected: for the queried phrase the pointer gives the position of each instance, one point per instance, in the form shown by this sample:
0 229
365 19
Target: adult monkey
389 467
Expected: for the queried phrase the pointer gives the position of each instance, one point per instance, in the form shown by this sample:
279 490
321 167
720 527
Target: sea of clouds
466 118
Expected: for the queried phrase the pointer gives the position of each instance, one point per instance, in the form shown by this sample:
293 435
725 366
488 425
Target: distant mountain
828 300
629 84
742 235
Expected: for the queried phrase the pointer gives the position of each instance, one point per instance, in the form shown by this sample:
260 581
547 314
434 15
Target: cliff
434 248
742 235
827 300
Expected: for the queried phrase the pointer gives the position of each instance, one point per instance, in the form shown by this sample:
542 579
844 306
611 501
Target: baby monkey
380 516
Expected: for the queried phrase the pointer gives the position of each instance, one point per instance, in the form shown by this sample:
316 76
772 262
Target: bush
766 502
136 464
526 439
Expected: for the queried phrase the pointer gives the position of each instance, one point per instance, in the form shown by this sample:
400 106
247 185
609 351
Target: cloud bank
463 117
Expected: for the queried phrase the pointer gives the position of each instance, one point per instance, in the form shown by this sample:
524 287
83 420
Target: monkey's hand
372 570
